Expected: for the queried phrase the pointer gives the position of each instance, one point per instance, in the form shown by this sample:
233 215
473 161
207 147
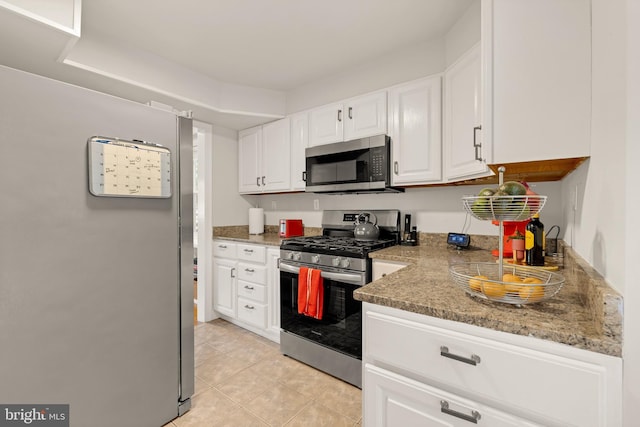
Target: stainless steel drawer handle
222 246
395 168
249 307
249 251
249 287
249 270
473 360
473 418
476 145
233 270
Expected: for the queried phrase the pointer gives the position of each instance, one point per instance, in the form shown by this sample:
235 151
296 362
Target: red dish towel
310 292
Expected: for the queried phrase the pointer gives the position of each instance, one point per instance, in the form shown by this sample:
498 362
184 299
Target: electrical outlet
273 205
316 204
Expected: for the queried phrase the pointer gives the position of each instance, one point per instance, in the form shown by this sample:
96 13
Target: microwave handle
355 279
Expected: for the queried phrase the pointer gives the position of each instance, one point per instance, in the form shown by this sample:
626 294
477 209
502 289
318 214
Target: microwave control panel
379 156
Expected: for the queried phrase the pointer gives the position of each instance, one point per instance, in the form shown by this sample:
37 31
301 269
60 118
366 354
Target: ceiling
272 44
231 62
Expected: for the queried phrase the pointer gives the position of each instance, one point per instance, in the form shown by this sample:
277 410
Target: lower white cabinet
244 286
509 376
396 400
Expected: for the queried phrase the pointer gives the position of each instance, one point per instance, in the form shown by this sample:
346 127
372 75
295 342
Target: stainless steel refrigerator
96 290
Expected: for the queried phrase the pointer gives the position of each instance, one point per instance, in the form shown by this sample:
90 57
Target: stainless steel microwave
359 165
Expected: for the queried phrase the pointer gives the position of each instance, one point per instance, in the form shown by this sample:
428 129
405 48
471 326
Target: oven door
341 325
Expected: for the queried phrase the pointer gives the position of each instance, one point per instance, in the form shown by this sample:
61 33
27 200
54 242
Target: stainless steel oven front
334 343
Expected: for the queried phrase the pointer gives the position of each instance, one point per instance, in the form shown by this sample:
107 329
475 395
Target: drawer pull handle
249 251
232 272
248 287
473 418
473 360
249 270
222 246
249 307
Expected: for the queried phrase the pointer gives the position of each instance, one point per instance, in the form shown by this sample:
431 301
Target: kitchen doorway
202 222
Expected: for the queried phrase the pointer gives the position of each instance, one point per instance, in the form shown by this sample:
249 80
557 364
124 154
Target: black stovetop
338 245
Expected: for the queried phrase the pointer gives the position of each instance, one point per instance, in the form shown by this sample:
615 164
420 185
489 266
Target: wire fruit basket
515 285
504 208
496 282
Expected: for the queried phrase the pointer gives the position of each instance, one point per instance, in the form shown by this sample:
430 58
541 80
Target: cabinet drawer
252 291
252 313
252 253
224 249
252 273
393 400
562 390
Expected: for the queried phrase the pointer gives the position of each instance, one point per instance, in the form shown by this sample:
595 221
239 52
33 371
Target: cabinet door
250 160
416 131
326 124
462 120
224 286
392 400
382 268
273 284
299 142
537 55
365 116
276 156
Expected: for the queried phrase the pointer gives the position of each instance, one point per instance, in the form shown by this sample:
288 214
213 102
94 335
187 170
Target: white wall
596 229
433 210
631 349
463 35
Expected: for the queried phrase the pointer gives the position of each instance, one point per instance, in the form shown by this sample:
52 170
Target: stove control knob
315 259
290 255
335 262
345 263
297 256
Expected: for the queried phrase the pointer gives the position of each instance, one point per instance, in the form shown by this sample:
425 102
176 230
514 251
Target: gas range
337 247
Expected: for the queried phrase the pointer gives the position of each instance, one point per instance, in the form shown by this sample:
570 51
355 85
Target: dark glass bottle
534 242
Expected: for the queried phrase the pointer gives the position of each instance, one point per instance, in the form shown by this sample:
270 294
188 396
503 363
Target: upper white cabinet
416 131
299 142
537 72
250 160
463 150
354 118
264 154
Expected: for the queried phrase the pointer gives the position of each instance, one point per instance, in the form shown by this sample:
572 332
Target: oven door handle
354 279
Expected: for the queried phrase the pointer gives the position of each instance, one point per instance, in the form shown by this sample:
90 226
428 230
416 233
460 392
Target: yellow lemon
531 293
493 289
475 283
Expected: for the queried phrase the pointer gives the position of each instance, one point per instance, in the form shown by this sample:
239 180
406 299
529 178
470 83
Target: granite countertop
585 313
270 237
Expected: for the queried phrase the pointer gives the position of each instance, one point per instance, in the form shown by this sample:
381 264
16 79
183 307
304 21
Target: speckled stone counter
586 313
270 237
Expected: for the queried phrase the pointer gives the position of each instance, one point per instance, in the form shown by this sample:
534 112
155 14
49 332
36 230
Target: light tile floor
242 380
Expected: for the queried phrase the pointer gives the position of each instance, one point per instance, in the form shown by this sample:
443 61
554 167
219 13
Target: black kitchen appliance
334 343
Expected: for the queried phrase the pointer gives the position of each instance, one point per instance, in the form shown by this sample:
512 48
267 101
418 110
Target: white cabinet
543 382
250 160
537 65
299 142
243 284
462 142
224 284
400 401
382 268
416 131
264 154
354 118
